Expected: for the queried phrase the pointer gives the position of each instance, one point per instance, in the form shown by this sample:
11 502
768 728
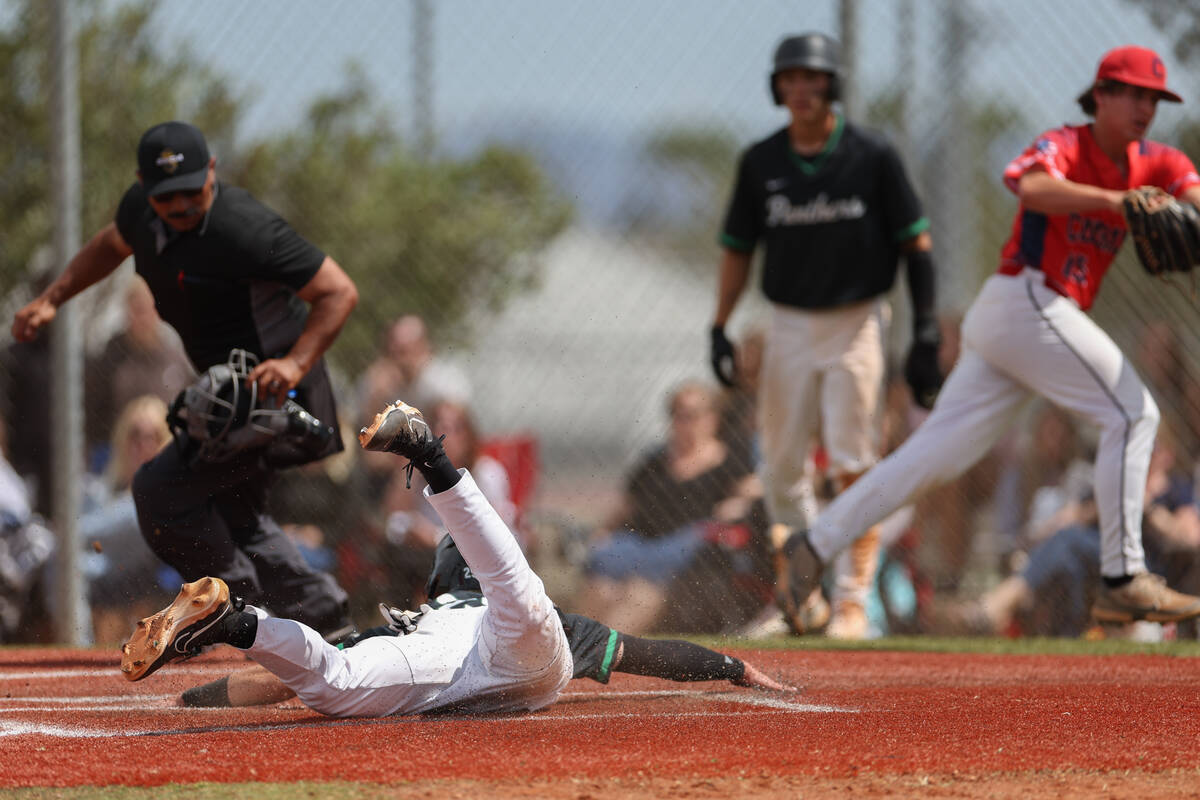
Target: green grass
950 644
933 644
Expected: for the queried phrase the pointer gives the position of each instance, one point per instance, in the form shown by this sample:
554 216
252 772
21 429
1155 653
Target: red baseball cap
1136 66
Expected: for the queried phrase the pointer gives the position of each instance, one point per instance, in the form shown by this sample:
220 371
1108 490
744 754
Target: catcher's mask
222 413
814 51
450 571
220 401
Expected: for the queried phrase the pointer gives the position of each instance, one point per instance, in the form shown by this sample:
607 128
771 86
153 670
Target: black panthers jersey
831 225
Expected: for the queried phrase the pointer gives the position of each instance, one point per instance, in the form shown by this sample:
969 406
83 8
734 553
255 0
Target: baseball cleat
180 630
1145 597
849 622
399 429
797 577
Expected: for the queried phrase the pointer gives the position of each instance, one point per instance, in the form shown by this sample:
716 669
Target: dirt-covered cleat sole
398 429
179 630
1146 597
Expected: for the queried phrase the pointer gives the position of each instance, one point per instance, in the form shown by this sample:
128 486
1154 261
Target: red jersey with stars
1075 250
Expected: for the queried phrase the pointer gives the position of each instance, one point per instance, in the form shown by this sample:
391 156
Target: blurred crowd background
528 196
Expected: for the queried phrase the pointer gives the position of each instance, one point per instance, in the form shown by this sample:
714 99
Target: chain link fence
542 184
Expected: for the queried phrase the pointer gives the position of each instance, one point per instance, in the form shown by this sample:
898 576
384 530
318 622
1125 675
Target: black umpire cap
172 157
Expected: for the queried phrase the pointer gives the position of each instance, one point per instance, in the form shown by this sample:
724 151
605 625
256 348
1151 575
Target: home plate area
68 718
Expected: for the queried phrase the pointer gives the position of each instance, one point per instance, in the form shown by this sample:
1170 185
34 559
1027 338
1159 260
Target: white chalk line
166 703
106 672
124 699
747 698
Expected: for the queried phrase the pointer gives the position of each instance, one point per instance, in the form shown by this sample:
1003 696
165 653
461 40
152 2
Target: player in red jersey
1027 334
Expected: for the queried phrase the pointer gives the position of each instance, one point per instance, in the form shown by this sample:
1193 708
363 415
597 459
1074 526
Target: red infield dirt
870 722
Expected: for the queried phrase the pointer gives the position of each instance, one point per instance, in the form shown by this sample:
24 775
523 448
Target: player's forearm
1042 192
734 272
922 281
675 660
323 327
327 314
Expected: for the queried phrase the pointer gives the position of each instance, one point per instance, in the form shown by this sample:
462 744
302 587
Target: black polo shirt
231 282
831 225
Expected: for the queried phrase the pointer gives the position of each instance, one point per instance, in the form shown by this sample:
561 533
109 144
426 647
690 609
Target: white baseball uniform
508 653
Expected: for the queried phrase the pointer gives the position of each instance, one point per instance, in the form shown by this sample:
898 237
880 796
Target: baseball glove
1166 232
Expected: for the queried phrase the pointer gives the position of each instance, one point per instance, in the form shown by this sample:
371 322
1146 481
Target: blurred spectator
1052 593
673 497
26 548
1042 481
27 391
407 370
1165 366
145 358
412 527
120 565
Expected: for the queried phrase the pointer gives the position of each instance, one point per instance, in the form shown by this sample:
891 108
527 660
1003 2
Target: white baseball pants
1020 339
822 377
509 654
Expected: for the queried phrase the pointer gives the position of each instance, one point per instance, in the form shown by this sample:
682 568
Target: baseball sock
240 628
210 695
437 470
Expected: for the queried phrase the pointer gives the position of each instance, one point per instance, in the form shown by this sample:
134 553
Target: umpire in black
226 272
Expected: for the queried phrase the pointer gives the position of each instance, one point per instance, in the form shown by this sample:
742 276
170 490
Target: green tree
123 82
1177 19
451 240
448 239
695 164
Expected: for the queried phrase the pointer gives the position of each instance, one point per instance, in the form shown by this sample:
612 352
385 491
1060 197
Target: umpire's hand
922 372
723 359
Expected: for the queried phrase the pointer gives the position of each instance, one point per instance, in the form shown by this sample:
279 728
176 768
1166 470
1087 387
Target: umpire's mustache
191 212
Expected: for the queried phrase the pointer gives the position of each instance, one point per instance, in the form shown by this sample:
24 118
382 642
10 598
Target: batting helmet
814 51
450 571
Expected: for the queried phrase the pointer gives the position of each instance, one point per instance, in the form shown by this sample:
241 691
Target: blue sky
623 67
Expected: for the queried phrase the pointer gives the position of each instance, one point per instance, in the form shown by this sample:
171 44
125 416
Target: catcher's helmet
450 571
814 51
222 414
222 399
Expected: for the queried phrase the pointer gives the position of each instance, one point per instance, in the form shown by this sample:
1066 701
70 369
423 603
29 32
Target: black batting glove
722 356
922 372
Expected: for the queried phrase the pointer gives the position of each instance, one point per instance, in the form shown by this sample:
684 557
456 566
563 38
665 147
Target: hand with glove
1166 232
723 358
921 368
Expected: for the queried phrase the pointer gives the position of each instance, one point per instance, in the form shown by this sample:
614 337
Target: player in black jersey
833 210
227 273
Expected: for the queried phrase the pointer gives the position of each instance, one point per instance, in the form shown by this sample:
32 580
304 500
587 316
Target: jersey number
467 601
1075 269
